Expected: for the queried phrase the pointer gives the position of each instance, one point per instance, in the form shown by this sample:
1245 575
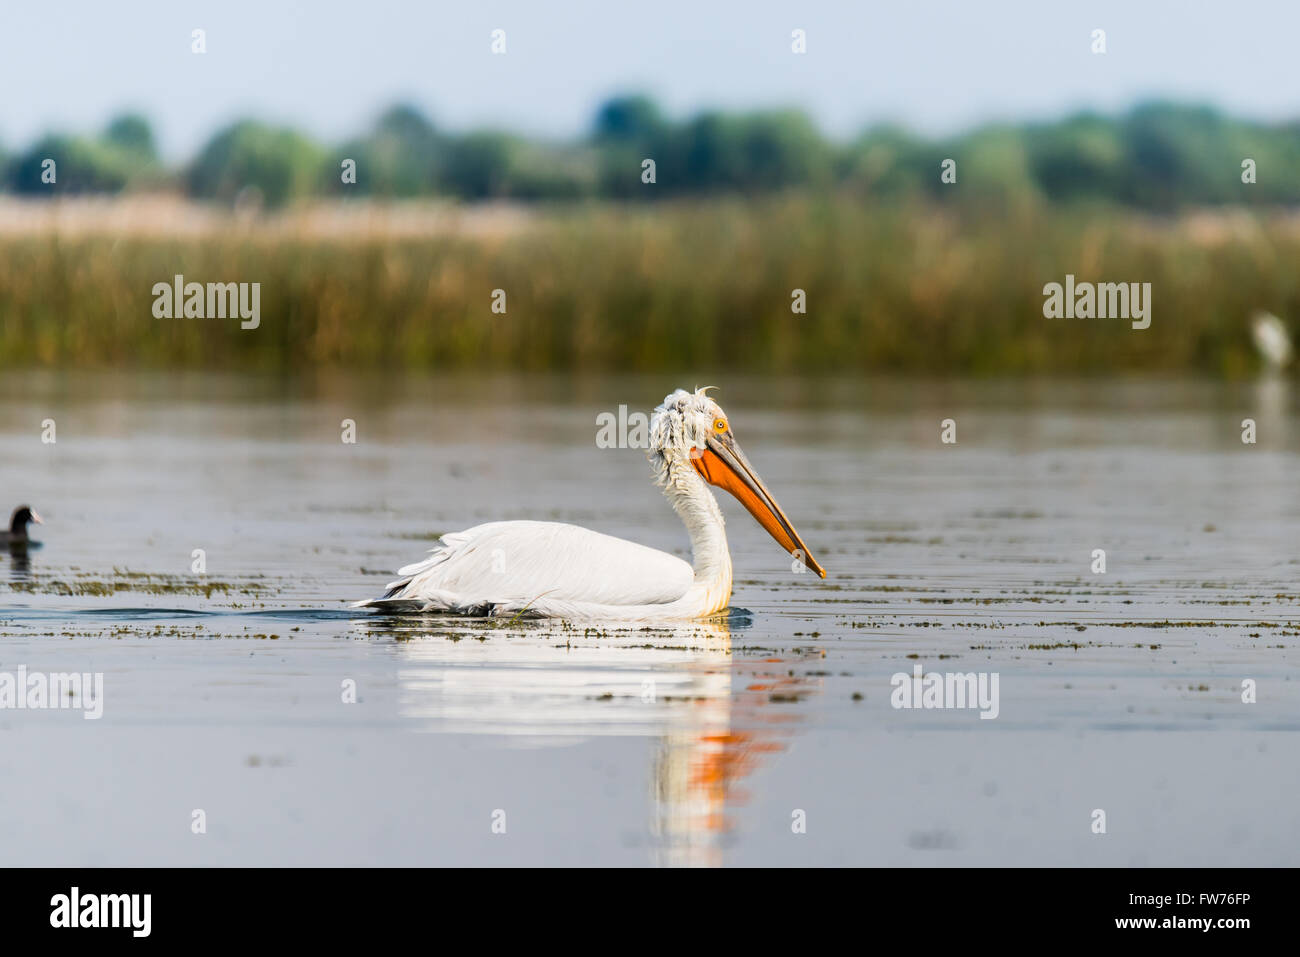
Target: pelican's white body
552 570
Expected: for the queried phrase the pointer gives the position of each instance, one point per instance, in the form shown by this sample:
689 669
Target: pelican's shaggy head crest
683 422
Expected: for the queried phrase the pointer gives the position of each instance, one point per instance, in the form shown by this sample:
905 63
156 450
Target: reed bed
912 288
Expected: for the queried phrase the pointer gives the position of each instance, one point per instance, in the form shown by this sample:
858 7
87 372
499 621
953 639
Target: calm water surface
698 744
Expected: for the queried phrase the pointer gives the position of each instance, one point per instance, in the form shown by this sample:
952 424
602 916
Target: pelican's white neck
694 503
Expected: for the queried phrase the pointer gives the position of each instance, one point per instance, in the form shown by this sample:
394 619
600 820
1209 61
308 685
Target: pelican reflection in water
715 716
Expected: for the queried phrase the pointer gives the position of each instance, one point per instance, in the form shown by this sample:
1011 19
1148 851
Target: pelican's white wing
515 564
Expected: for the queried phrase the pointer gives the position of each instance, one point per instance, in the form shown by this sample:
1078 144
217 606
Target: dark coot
17 534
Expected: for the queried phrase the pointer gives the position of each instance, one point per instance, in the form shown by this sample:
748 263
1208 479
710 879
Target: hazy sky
329 66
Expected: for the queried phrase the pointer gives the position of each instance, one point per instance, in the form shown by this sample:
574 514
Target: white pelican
552 570
1271 339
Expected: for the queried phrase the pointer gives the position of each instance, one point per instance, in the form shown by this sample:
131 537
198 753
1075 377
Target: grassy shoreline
935 288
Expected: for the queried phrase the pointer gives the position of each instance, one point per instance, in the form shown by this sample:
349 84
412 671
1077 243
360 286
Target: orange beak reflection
721 463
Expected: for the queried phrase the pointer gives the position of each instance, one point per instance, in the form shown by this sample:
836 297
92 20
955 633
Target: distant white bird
1271 339
551 570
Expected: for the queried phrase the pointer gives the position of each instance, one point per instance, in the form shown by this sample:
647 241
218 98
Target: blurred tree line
1158 156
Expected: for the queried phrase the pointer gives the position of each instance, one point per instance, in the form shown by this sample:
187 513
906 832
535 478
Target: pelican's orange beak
721 463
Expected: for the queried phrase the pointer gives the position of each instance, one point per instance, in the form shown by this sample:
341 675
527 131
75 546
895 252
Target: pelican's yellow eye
719 425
